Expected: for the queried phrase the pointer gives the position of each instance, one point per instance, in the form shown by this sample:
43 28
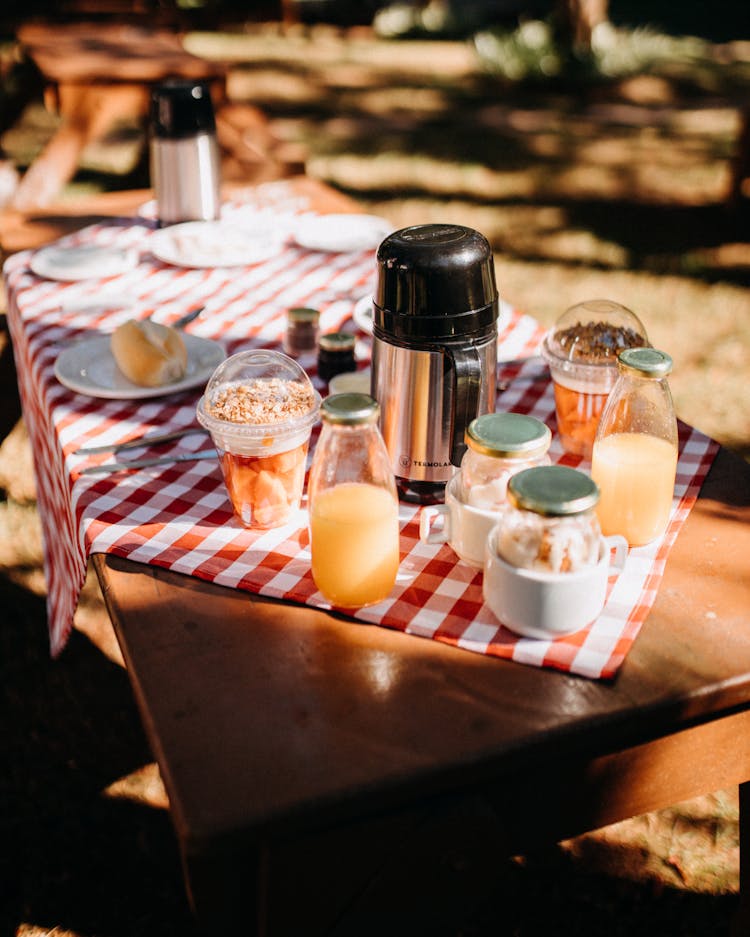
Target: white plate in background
214 244
341 232
88 367
350 382
82 262
363 313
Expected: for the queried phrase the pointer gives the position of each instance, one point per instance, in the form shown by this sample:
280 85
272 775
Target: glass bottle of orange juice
353 505
634 461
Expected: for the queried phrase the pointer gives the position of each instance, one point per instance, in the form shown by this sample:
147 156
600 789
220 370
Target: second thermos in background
185 168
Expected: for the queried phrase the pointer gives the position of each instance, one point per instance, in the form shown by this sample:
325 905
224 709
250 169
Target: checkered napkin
179 517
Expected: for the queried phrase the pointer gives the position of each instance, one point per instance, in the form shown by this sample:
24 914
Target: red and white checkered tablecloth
178 516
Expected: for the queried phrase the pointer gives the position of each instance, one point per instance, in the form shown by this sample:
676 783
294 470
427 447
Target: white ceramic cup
464 527
538 604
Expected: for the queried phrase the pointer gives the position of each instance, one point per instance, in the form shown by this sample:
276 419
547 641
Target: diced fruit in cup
265 490
578 414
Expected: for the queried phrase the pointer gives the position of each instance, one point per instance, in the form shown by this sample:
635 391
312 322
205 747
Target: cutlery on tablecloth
146 463
187 318
142 441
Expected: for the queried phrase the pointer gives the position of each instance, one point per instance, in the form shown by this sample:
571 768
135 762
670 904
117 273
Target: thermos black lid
181 108
435 281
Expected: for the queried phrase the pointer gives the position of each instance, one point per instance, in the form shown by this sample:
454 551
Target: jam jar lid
338 341
508 435
593 333
553 491
349 409
645 362
303 314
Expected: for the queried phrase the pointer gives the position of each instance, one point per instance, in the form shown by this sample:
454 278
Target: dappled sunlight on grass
693 846
142 786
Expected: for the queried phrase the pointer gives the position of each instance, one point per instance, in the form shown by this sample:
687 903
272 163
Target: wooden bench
98 74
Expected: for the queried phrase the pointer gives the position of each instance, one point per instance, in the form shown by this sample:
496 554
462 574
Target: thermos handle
467 385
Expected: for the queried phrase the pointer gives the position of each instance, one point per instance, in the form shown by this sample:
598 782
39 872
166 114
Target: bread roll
148 353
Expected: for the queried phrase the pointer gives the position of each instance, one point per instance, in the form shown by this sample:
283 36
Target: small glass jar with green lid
498 446
550 522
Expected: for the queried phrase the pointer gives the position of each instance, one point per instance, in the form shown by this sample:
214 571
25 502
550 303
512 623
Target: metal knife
142 441
145 463
188 318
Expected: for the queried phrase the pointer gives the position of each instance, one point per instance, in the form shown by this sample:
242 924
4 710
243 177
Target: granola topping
271 400
597 341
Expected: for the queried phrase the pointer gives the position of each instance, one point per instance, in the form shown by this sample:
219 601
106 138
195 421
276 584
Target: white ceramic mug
464 527
538 604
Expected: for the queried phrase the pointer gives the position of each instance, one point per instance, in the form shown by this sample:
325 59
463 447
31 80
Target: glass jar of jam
336 354
302 331
498 446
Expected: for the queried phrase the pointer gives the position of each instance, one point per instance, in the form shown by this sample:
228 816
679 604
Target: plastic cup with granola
581 351
260 407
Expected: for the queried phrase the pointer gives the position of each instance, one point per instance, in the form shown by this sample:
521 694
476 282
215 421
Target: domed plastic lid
258 403
435 281
594 332
553 491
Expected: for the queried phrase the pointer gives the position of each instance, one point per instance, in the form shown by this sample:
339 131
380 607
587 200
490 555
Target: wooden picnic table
327 777
98 74
330 777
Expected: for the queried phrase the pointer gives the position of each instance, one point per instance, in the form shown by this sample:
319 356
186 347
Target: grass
586 188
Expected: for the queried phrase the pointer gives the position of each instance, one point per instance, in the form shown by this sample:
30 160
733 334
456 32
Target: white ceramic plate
82 262
341 233
214 244
89 368
362 314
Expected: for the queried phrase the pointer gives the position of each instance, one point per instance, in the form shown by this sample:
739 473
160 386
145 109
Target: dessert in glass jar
547 564
497 446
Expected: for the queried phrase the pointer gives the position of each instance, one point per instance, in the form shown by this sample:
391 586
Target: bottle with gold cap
353 505
634 461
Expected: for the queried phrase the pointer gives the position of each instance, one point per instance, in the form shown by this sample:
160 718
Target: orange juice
635 473
354 542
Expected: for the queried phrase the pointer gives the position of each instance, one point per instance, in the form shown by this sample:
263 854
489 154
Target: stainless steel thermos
185 168
434 354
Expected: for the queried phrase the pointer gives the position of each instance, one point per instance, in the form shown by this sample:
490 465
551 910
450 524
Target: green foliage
533 52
